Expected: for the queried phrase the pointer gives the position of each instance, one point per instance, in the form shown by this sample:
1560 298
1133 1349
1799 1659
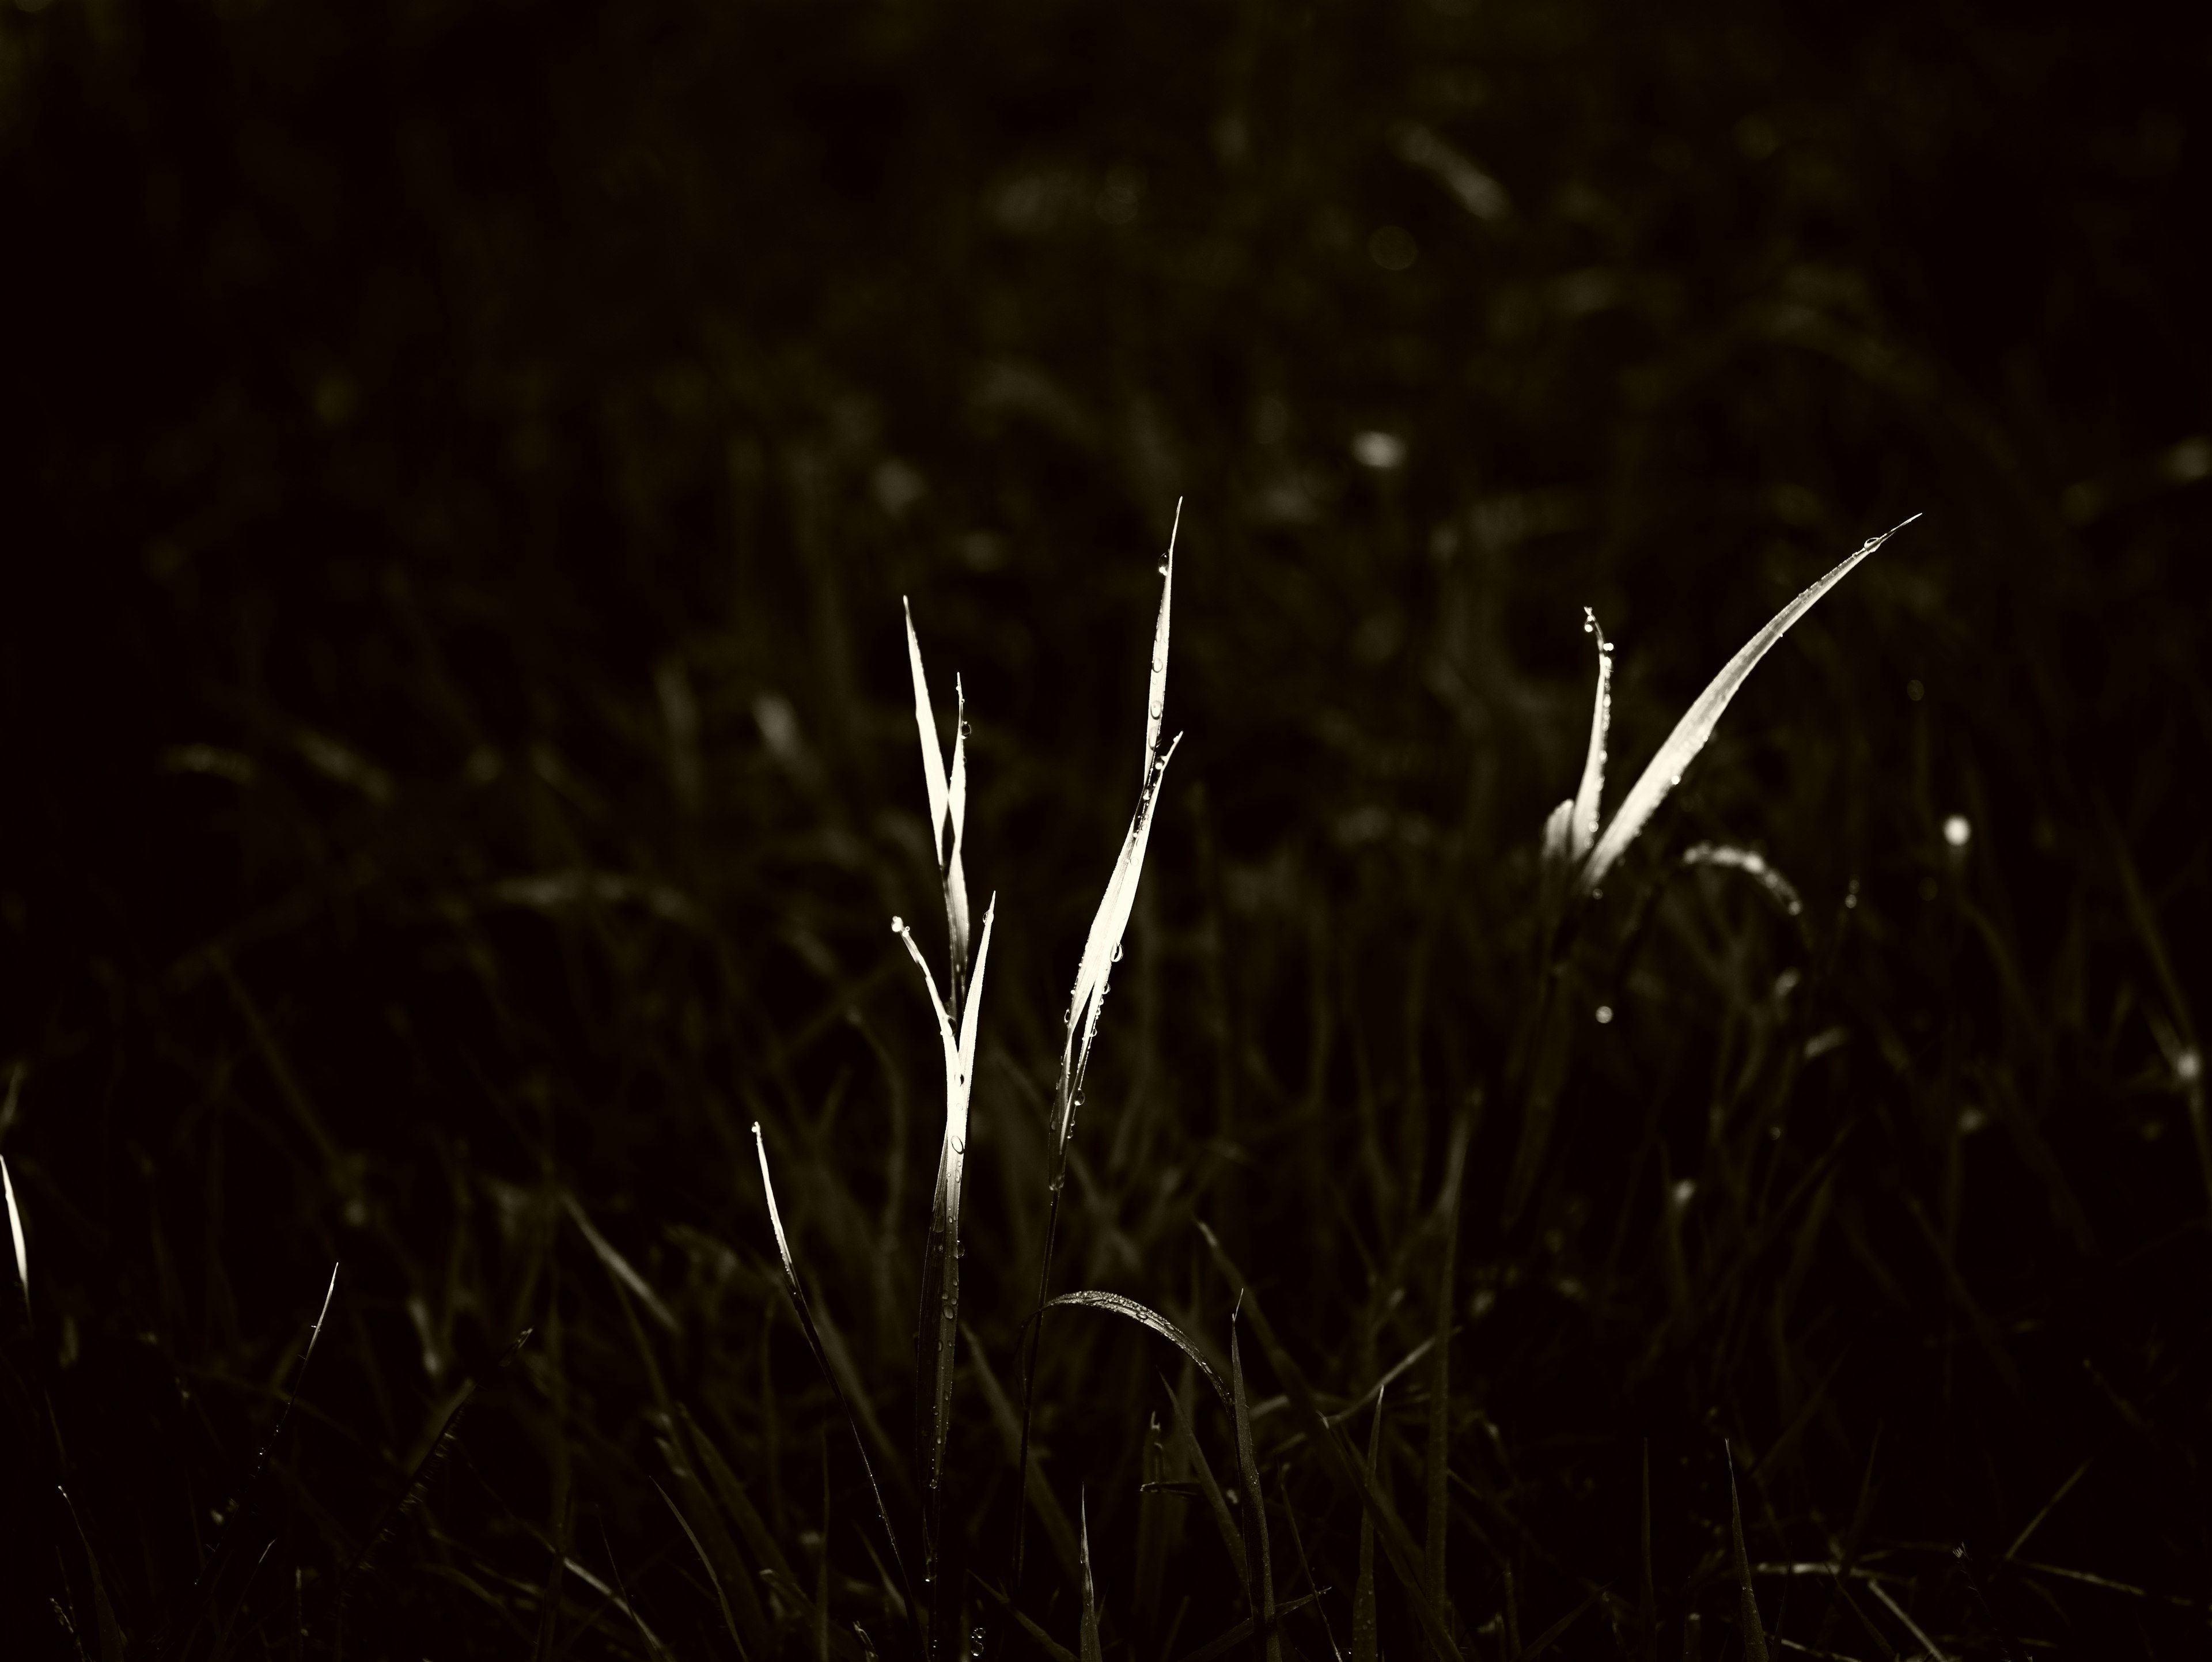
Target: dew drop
1117 952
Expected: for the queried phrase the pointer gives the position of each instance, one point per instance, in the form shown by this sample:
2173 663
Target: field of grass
540 1121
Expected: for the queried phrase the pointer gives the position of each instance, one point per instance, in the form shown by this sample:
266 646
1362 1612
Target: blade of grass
1147 1318
1665 768
1397 1542
822 1567
1366 1638
733 1583
1582 818
937 1330
226 1548
822 1361
1088 1000
1259 1555
16 1237
1754 1636
1090 1638
111 1634
944 805
715 1576
2036 1522
653 1644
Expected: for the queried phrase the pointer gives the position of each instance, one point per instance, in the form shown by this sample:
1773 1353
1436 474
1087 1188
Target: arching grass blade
1665 768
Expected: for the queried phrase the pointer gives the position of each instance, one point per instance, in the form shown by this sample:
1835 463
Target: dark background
462 464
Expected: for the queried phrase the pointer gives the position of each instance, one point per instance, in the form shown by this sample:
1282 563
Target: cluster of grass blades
1277 1505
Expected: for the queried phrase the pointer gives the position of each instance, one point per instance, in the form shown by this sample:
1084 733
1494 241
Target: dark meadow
462 466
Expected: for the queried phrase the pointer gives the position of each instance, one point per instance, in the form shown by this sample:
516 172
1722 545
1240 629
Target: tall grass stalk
1101 948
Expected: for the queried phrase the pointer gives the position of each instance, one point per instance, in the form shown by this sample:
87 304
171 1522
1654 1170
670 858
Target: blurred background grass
463 464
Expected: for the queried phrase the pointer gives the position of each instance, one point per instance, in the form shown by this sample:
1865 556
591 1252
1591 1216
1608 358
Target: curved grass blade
15 1238
1665 769
1582 820
822 1361
1754 1636
1159 1324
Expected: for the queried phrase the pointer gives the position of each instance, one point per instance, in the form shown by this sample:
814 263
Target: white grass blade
1696 726
944 1020
1557 836
959 1085
321 1316
15 1235
956 877
932 757
1156 694
1104 941
1581 826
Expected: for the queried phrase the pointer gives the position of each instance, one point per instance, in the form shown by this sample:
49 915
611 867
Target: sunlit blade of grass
1100 947
1217 1503
948 801
16 1237
1665 768
1258 1552
1582 821
956 874
1397 1541
1366 1642
1089 1640
1751 864
1754 1635
1159 1324
937 1332
822 1361
1438 1452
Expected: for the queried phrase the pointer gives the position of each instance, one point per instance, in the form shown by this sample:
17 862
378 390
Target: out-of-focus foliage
461 463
